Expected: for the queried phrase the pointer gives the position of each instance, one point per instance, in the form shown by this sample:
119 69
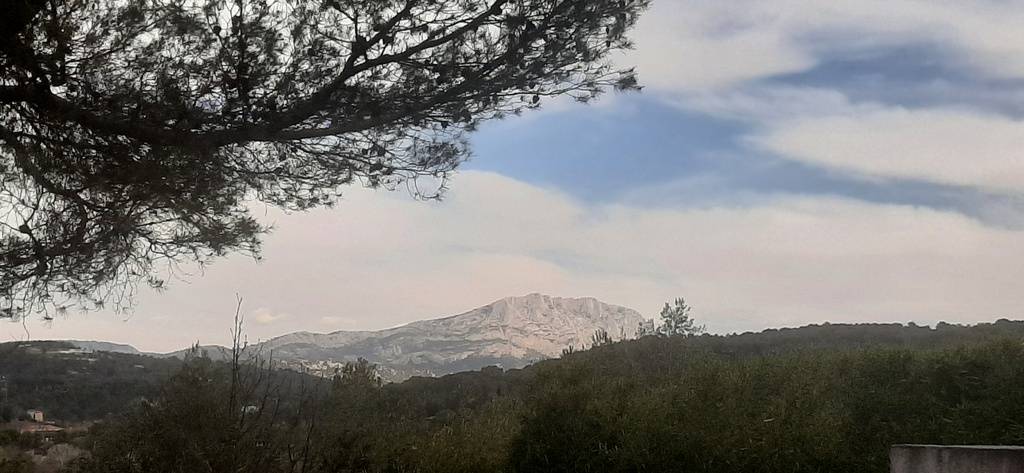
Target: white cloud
380 259
694 45
265 316
706 56
678 47
942 146
821 127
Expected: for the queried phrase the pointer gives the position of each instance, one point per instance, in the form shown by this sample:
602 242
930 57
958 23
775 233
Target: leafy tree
360 374
60 456
211 416
645 328
575 438
677 321
133 133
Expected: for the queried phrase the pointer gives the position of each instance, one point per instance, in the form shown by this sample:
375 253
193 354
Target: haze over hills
511 333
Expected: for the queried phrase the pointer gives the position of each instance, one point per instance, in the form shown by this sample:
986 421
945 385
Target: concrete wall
956 459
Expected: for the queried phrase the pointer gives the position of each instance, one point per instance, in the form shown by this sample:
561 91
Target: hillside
70 383
812 399
805 400
648 355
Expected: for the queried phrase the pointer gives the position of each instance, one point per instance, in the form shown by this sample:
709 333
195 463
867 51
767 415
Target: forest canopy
820 398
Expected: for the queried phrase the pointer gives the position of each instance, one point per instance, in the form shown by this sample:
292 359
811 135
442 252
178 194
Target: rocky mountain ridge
511 333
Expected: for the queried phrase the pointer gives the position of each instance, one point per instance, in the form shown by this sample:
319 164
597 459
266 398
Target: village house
47 432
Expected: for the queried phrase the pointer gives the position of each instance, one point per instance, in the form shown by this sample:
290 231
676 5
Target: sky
788 162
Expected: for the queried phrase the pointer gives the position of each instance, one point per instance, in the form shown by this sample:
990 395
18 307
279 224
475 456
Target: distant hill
105 346
71 383
90 380
510 333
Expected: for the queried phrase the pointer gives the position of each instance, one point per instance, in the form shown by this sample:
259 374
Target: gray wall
956 459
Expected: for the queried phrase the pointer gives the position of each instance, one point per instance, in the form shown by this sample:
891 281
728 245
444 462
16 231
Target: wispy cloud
265 316
943 146
688 45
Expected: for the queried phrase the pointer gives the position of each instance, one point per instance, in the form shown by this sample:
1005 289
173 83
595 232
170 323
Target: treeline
658 405
821 398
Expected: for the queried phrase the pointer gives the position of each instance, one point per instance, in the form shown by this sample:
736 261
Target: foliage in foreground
137 133
829 398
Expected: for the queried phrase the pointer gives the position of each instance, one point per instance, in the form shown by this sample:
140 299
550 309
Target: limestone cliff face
511 332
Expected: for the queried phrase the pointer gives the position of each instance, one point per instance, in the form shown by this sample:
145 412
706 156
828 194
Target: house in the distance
35 415
46 432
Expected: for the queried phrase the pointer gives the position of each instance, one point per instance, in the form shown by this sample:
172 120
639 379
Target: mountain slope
511 333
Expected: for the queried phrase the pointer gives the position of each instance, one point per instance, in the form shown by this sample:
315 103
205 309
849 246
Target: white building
35 415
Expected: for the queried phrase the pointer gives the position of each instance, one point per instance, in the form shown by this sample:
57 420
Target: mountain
510 333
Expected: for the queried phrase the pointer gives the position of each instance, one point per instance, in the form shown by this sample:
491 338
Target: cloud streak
693 45
943 146
265 316
730 61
